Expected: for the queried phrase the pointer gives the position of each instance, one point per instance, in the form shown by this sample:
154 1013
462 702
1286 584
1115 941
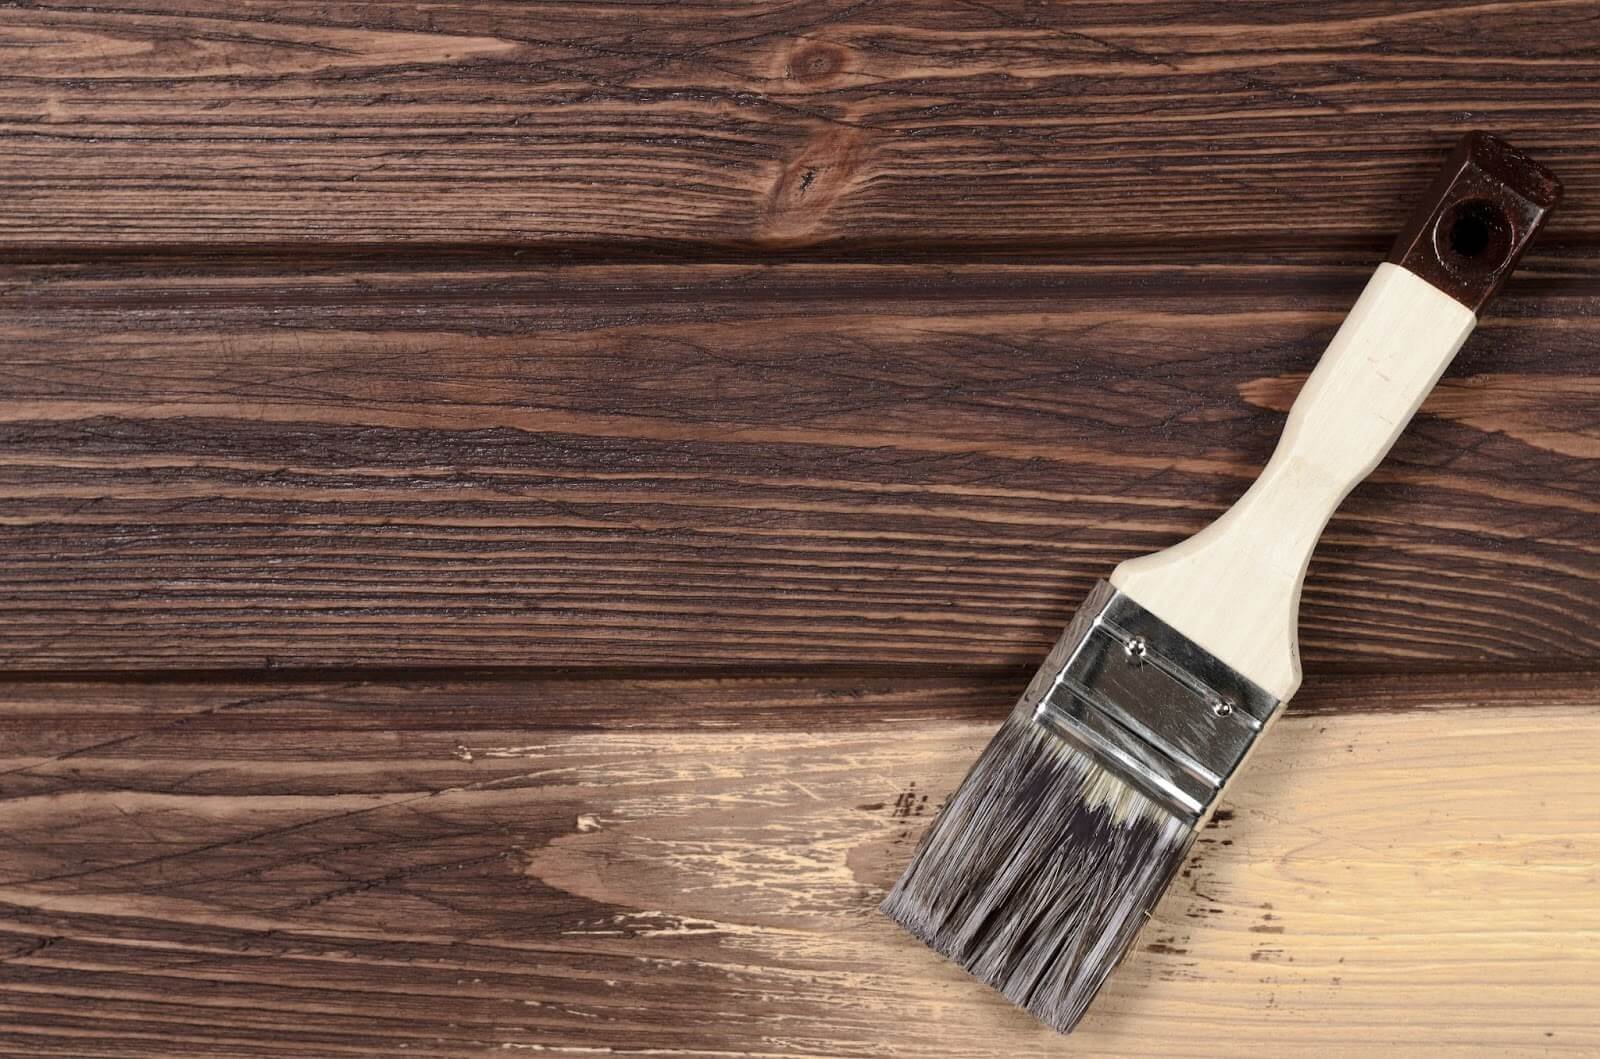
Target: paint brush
1047 860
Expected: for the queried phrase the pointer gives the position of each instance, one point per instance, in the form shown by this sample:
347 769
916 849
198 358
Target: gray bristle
1039 872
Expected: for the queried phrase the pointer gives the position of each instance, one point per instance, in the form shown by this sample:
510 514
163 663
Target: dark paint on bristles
1040 871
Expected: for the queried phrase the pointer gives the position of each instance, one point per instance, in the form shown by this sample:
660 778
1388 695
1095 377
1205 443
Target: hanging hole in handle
1473 237
1469 236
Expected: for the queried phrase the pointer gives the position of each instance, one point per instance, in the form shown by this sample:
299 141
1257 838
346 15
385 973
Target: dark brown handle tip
1468 233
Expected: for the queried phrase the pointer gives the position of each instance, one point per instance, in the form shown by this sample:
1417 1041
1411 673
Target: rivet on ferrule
1149 704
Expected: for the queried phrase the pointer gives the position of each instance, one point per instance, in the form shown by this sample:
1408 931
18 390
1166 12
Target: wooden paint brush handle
1234 588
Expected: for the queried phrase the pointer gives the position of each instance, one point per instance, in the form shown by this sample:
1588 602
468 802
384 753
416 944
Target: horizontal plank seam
1566 670
839 251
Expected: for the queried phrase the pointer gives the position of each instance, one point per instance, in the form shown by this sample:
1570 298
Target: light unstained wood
212 463
770 124
281 385
1381 364
452 867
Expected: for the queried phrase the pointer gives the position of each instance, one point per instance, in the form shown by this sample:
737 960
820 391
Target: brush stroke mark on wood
47 722
217 453
320 870
262 463
561 124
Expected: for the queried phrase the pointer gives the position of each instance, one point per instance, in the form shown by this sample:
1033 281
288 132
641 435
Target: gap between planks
685 698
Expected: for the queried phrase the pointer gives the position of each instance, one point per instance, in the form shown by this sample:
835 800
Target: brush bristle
1039 872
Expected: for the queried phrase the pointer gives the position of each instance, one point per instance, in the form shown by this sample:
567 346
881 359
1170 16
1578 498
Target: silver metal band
1148 703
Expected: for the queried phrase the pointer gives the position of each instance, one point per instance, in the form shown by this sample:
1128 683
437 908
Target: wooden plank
241 463
769 124
337 867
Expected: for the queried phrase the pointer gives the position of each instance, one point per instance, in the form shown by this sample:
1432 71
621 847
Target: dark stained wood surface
769 124
514 515
700 465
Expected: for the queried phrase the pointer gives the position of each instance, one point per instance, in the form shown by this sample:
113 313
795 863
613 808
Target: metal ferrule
1149 704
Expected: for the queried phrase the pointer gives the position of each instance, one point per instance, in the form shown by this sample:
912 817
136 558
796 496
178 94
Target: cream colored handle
1234 588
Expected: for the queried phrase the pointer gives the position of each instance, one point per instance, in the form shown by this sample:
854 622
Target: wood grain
269 462
763 124
331 867
514 515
